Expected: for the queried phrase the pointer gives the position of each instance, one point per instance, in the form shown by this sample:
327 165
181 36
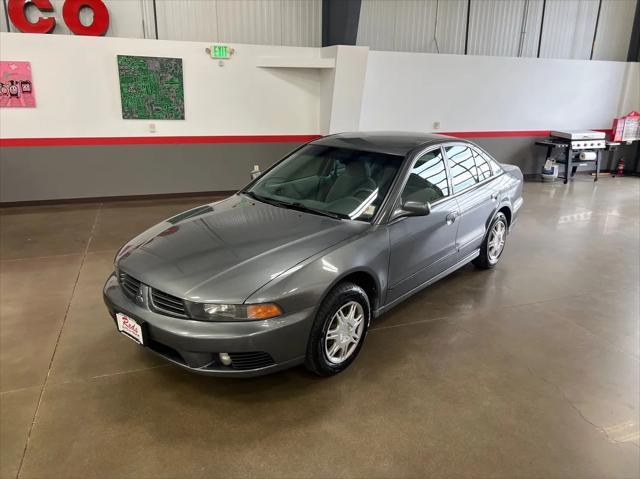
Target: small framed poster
16 85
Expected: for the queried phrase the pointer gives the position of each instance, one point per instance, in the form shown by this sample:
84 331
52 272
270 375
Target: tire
344 298
488 256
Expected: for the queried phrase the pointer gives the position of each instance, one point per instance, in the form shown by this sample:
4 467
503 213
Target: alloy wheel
497 237
344 332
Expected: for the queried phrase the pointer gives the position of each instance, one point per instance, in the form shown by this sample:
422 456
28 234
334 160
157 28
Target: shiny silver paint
244 251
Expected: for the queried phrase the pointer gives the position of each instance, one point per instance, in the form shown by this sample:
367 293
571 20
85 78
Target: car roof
390 142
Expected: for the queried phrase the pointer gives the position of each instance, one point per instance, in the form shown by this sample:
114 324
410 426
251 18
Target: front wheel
493 244
339 330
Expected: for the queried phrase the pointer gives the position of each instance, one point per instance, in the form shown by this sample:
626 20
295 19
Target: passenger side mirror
416 208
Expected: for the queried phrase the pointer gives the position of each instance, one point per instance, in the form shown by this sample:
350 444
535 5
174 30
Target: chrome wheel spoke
344 352
332 335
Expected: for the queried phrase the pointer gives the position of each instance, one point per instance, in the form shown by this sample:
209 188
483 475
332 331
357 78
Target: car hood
225 251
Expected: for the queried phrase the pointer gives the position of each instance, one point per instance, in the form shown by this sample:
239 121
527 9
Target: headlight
234 312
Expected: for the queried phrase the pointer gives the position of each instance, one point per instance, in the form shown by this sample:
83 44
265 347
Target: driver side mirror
411 208
416 208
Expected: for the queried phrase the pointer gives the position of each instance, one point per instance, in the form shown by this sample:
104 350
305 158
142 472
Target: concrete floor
528 370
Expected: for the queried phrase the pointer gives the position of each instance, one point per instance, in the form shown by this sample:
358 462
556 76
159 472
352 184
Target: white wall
77 89
411 91
342 88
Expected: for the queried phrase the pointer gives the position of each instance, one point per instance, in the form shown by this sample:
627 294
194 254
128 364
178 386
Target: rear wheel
493 244
339 330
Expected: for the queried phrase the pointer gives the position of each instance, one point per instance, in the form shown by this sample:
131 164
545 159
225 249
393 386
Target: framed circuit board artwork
151 88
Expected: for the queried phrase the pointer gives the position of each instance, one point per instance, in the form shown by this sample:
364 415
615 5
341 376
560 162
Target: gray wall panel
519 151
40 173
46 173
523 152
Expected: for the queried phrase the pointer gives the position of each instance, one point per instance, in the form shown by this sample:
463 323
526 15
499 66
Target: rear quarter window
483 166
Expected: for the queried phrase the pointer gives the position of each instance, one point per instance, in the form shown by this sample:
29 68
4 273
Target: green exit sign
220 51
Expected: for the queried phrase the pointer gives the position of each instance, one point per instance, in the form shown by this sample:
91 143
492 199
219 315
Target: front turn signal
263 311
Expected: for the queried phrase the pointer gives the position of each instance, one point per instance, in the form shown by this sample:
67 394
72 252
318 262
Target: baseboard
102 199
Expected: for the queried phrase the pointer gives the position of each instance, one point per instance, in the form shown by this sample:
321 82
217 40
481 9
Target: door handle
494 196
451 218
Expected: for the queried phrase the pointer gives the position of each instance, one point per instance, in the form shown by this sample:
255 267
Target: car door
471 183
423 246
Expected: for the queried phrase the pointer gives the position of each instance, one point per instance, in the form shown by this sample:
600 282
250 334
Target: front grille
130 285
165 303
251 360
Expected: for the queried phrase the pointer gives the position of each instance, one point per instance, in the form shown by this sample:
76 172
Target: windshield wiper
301 207
295 206
262 199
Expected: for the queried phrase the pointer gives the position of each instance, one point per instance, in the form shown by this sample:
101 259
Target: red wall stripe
155 140
185 140
496 134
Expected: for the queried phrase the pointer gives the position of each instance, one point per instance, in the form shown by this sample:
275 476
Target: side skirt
470 257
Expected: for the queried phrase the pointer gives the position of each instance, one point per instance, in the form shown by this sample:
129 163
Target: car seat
355 178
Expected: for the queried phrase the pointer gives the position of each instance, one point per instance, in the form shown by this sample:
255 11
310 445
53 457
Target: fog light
225 359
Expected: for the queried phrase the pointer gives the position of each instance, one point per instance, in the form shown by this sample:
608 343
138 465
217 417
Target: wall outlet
436 125
152 127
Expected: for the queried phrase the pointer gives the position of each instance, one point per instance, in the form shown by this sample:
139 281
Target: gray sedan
292 269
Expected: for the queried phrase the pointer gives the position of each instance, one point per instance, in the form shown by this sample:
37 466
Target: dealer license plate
129 327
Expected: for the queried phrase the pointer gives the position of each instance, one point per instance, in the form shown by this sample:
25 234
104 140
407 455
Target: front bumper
256 347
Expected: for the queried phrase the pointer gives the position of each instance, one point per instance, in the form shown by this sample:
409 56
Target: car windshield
338 182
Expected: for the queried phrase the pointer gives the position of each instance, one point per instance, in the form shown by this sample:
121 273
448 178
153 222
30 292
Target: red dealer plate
129 327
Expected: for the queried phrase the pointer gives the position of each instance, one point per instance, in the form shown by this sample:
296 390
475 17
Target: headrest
357 168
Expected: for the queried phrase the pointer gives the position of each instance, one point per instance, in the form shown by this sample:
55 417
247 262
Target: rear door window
462 166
